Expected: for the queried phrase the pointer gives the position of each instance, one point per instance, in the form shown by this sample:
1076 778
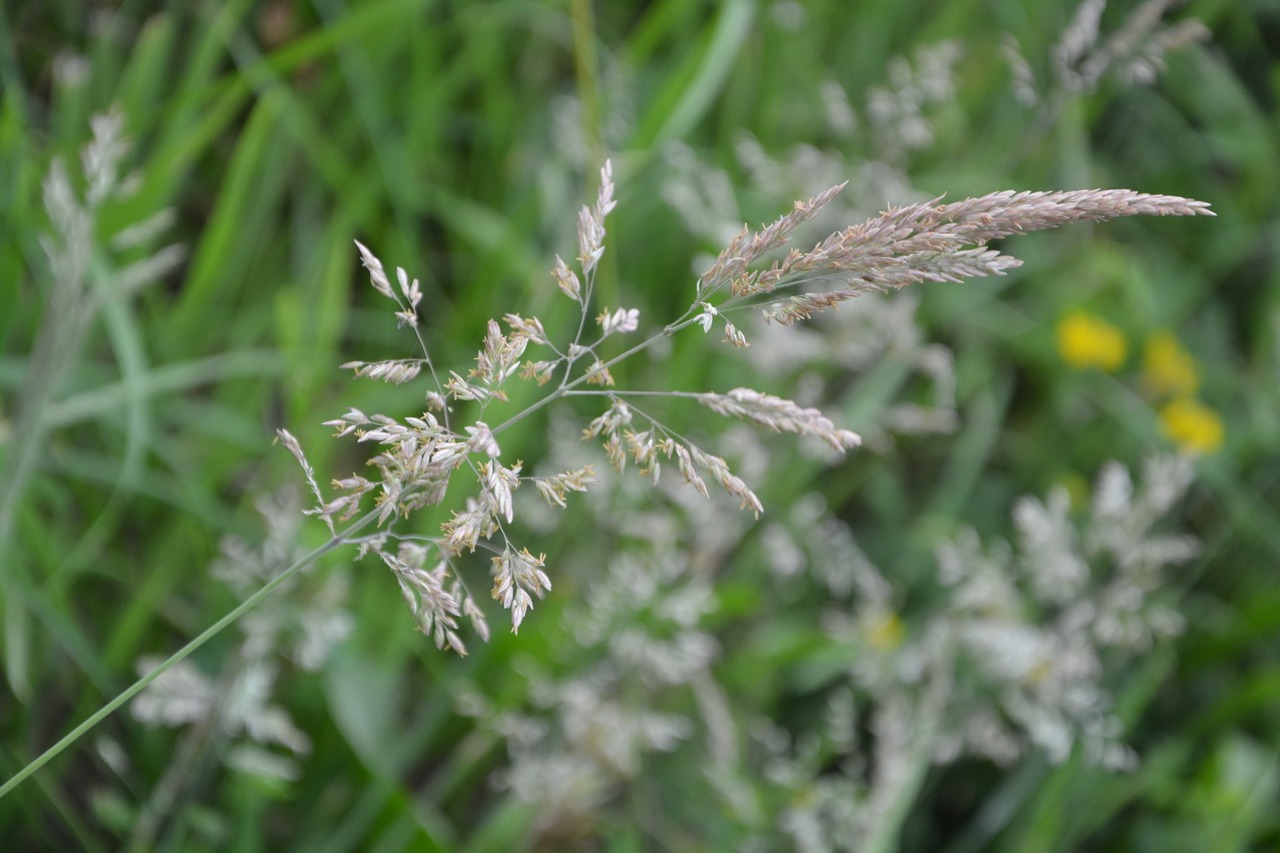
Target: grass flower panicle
940 242
1132 54
928 241
1015 656
591 223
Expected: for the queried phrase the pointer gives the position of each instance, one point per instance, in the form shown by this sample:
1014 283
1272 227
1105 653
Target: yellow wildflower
1192 425
883 631
1168 369
1088 341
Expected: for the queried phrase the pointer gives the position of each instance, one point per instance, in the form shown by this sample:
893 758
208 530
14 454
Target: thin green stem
585 70
180 655
181 772
54 352
566 389
593 392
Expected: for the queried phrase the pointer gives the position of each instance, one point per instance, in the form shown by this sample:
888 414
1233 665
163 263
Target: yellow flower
1192 425
883 631
1088 341
1168 369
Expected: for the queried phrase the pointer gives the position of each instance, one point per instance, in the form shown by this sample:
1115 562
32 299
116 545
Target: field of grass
1037 609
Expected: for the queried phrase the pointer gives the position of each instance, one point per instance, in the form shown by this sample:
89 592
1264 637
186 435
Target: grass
279 132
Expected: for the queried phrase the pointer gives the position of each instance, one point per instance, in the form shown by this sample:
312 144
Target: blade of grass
688 96
182 654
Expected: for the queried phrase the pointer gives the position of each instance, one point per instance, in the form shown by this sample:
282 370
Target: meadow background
144 371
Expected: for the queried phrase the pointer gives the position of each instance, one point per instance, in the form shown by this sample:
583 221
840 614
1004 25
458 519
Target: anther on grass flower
598 374
930 241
